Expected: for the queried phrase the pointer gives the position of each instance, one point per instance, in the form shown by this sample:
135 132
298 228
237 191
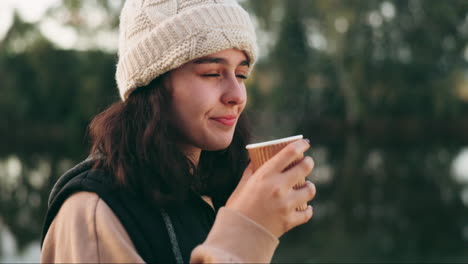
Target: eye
211 75
241 76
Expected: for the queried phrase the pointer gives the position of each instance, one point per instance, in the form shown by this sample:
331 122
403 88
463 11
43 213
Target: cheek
198 99
193 99
189 108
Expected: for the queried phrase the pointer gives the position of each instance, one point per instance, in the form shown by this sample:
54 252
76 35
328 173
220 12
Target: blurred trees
359 60
351 61
50 94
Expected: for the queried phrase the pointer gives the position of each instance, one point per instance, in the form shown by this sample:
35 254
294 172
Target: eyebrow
208 60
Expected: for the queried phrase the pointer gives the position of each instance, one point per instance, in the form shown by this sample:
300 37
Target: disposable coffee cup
261 152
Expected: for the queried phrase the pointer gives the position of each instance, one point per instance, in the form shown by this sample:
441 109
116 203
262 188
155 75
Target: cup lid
273 142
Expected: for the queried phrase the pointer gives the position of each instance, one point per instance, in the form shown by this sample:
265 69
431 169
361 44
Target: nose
234 91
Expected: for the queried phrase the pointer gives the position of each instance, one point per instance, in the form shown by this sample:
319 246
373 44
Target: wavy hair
136 144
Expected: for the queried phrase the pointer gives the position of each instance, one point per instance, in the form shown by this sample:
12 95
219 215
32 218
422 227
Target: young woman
168 179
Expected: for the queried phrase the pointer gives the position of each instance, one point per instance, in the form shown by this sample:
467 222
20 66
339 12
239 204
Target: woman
167 179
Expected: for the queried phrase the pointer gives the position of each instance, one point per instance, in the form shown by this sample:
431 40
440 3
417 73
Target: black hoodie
160 235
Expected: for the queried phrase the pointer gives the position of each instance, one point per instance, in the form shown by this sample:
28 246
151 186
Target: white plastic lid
273 142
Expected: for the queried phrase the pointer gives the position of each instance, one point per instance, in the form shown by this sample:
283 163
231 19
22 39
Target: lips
228 120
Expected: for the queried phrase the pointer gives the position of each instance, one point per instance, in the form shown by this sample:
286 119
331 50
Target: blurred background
379 87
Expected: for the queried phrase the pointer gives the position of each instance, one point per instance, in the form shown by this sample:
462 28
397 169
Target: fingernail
307 140
310 211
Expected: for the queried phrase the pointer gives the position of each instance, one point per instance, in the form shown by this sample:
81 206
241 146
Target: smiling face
208 95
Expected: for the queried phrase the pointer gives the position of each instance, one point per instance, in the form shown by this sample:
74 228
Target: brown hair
135 142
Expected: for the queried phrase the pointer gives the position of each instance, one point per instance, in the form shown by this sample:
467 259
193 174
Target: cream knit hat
157 36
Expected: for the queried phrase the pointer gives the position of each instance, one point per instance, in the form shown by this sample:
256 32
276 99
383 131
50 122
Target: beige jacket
86 230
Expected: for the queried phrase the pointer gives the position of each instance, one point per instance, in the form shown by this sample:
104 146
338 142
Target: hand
267 196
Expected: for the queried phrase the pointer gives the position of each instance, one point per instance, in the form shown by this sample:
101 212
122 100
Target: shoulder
86 230
85 206
80 204
84 210
78 215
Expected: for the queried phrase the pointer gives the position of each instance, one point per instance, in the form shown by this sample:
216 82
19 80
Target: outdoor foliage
380 88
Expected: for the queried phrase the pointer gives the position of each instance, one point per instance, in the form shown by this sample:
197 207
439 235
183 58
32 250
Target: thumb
248 172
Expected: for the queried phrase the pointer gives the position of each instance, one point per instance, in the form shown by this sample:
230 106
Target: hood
81 167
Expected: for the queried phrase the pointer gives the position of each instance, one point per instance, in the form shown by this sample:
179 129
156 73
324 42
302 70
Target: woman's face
208 95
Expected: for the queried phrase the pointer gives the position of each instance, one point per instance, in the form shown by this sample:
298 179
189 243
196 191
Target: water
10 252
385 203
375 202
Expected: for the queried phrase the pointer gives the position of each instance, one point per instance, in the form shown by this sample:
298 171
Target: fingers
299 197
303 194
297 173
302 217
287 155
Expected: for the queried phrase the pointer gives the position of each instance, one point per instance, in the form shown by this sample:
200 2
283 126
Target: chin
217 145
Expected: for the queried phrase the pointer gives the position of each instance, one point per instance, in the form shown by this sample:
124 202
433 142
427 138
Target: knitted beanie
157 36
